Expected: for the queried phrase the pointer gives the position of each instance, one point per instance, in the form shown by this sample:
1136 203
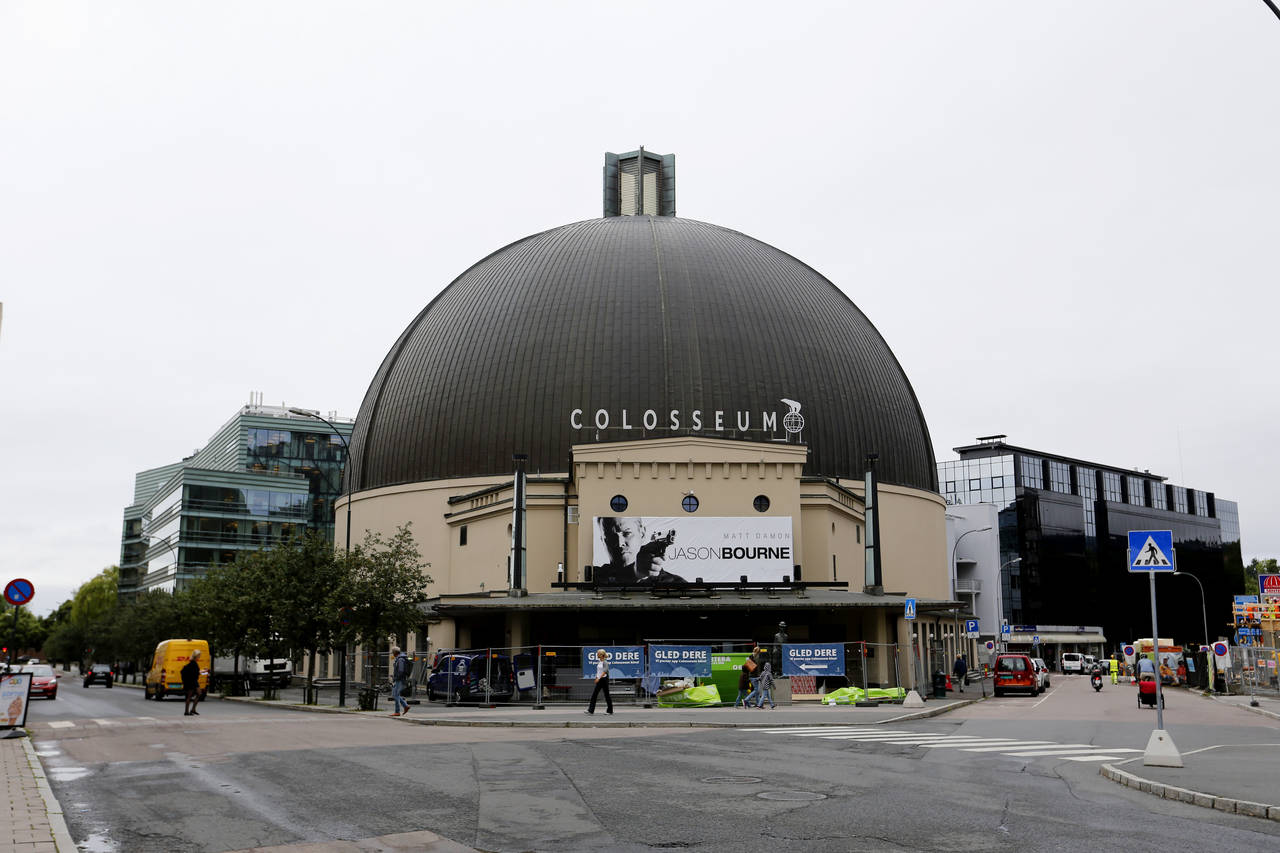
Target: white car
1042 672
1072 662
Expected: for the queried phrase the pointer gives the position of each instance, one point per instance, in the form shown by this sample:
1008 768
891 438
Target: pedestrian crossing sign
1151 551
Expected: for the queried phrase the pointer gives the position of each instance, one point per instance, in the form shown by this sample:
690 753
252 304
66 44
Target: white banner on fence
632 549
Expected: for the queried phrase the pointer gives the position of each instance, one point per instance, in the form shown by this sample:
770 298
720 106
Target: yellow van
165 674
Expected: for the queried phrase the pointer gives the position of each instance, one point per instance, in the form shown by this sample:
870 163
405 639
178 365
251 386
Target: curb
580 724
1185 795
53 809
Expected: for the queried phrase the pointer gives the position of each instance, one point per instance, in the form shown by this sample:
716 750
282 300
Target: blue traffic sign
971 626
1006 629
910 608
813 659
19 591
1151 551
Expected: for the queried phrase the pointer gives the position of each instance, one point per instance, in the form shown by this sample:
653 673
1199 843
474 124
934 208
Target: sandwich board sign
1151 551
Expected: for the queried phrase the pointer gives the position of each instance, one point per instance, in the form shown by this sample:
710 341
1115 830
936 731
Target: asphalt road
1015 774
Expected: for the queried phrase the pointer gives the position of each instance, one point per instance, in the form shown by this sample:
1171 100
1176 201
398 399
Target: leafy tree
96 598
384 584
27 634
152 616
299 576
1257 567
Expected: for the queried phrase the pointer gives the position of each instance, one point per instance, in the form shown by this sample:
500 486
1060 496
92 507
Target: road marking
61 724
1044 744
1092 757
1047 694
791 730
107 722
1007 747
1096 750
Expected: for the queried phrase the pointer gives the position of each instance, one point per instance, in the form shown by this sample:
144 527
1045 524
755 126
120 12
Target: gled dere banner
652 549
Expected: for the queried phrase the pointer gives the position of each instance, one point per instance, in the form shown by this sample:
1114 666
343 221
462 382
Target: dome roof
622 321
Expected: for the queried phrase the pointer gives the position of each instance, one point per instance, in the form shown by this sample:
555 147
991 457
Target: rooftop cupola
639 183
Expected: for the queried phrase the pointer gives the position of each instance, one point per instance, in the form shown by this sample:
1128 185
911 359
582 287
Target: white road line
61 724
952 741
1092 757
1028 744
872 737
107 722
824 732
1010 744
1047 694
791 730
1098 750
889 738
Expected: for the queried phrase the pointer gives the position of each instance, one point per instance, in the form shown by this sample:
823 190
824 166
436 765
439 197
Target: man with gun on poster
634 557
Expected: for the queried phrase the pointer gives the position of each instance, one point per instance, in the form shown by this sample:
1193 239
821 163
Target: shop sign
1270 585
693 421
813 659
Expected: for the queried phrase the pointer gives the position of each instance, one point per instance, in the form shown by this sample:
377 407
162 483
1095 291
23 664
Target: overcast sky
1062 216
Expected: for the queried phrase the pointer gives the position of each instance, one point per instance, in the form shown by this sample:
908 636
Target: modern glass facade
1064 537
265 476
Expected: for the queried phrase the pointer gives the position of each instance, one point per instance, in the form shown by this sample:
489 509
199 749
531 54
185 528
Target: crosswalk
177 720
1008 747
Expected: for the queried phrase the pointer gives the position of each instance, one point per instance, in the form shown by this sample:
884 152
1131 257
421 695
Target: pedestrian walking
602 683
960 669
399 680
744 686
191 684
765 686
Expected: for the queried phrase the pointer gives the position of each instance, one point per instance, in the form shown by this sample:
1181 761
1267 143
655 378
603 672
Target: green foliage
29 633
383 583
1258 567
95 599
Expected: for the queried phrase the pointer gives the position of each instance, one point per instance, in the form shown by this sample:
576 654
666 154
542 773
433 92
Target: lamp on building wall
346 459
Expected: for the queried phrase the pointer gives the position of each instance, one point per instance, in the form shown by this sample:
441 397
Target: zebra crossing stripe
1093 750
107 722
799 730
1009 744
850 732
61 724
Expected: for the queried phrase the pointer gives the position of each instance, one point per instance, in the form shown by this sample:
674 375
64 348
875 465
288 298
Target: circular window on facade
618 503
761 503
690 503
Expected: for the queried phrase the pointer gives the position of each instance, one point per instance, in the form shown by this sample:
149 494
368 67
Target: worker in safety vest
1115 670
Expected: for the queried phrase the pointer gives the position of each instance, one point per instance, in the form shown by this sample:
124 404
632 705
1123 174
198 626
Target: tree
141 624
1257 567
95 598
383 583
301 574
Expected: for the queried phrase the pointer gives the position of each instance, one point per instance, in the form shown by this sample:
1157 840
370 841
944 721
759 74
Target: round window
618 503
690 503
761 503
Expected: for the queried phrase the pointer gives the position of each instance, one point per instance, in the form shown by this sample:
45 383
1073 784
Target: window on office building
1200 502
1032 471
1179 498
1060 477
1111 487
1157 496
1135 491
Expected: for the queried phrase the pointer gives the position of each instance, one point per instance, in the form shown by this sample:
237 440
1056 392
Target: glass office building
264 476
1064 526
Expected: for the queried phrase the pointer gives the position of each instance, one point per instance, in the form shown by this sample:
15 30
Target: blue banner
680 661
813 659
624 661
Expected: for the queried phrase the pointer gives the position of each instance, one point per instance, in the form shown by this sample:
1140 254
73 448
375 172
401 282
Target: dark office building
1064 527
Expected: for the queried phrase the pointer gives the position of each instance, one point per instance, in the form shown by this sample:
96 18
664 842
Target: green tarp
693 697
850 695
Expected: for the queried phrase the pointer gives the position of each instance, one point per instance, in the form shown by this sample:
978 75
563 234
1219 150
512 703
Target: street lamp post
1204 613
1004 566
955 573
346 454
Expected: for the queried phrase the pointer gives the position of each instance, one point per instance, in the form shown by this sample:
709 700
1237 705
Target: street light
346 458
955 573
1204 613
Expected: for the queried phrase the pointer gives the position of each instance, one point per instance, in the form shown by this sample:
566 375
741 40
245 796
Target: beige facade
463 529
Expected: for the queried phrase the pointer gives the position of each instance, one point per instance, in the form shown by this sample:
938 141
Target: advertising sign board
1270 585
680 661
15 691
624 661
637 550
813 659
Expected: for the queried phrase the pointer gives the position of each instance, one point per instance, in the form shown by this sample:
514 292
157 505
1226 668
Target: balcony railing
968 585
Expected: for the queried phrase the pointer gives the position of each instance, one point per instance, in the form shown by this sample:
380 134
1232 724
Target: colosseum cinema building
660 382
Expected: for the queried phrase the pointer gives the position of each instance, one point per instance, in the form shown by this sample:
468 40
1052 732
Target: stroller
1147 693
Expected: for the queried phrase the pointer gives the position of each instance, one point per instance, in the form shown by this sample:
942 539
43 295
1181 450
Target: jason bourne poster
660 550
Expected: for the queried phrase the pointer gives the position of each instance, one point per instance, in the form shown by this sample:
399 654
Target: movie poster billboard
650 549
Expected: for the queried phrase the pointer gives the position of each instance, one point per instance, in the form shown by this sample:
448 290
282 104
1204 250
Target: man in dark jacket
958 671
191 684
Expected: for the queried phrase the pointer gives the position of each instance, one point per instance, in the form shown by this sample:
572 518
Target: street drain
791 796
732 780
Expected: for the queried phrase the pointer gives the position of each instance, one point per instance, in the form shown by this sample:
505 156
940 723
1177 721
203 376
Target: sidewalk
1241 779
33 821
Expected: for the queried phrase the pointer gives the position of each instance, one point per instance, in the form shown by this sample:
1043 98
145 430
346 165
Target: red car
1016 672
44 682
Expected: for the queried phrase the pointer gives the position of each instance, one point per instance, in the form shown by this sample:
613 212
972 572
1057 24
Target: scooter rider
1095 676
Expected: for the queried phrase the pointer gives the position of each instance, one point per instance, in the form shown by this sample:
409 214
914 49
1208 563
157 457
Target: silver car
1042 672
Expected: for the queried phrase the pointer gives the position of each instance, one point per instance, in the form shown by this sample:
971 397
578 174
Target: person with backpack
399 680
765 686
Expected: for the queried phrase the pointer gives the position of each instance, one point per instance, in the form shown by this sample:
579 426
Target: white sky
1061 215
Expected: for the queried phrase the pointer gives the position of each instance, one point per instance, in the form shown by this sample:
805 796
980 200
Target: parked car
1015 672
470 676
44 681
1042 672
1072 662
99 673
